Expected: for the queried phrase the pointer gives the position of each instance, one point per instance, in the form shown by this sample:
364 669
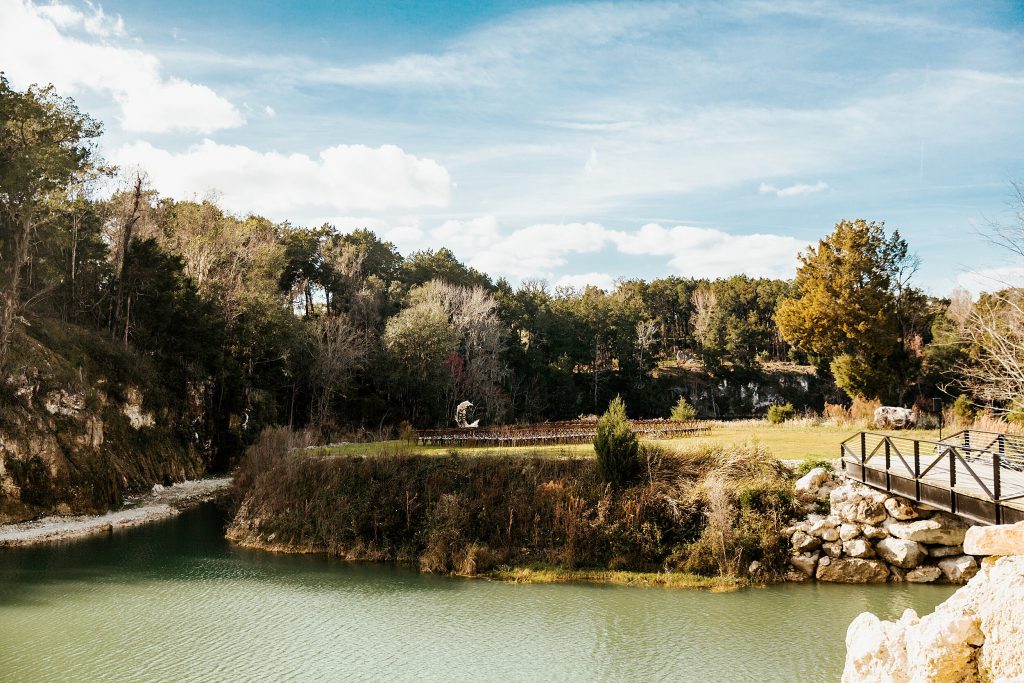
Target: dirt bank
161 503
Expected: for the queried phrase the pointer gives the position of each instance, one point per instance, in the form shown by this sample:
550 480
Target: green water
175 602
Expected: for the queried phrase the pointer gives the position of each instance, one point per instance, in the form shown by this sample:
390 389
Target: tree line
273 323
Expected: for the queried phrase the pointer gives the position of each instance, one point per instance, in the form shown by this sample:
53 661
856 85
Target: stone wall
975 636
871 537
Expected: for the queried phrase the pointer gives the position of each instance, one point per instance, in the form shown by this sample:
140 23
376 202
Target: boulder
924 574
853 570
805 562
830 535
858 547
959 569
874 532
901 552
804 542
821 527
854 502
833 550
807 486
974 636
1005 539
900 509
945 550
848 531
940 529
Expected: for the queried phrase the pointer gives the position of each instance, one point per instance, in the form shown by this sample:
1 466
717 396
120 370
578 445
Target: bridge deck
984 485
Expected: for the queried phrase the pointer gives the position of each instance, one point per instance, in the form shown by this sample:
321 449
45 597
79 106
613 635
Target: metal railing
977 475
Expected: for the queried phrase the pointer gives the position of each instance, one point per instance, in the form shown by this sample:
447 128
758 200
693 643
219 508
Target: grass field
788 441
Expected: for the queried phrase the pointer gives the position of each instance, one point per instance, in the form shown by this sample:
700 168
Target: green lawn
792 441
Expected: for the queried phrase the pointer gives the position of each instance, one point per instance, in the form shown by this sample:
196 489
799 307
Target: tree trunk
11 294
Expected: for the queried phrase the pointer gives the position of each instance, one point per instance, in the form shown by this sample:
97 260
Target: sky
574 143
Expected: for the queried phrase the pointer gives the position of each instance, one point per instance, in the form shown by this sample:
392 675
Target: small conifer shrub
616 445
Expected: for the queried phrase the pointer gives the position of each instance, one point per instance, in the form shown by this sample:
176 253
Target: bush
808 465
962 410
683 411
616 445
778 414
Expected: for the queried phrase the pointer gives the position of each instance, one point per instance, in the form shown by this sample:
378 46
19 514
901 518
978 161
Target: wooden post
917 469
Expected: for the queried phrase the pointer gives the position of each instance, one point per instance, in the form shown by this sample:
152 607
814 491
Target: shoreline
139 509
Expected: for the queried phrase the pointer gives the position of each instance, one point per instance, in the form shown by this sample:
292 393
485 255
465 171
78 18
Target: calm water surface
175 602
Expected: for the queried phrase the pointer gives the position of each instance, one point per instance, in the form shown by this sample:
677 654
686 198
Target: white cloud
36 46
706 252
582 280
341 178
269 111
991 279
793 190
591 166
539 251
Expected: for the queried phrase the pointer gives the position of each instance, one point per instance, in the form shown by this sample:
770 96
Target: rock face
853 570
942 528
902 553
854 503
1007 539
865 524
958 569
974 636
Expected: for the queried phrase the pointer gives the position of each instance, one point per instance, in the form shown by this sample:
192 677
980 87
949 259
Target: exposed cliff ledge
975 636
82 427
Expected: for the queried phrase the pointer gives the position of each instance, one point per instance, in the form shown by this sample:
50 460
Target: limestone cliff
975 636
82 427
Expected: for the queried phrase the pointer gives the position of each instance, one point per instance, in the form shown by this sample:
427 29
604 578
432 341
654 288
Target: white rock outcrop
975 636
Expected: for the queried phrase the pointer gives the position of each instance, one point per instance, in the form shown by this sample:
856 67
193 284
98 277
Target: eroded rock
959 569
853 570
901 552
941 529
924 574
1006 539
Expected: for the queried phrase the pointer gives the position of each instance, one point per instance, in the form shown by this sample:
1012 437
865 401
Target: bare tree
646 333
339 350
994 330
705 303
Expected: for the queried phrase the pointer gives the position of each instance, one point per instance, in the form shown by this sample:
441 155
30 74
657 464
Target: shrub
808 465
837 413
779 413
962 410
683 411
616 445
863 409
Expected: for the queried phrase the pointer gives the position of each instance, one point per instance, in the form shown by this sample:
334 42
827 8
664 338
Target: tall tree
851 288
45 147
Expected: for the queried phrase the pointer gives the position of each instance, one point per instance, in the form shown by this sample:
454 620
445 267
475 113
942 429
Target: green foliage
683 411
854 306
963 410
779 413
808 465
616 445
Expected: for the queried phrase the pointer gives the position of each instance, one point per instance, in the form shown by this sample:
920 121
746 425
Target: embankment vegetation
707 512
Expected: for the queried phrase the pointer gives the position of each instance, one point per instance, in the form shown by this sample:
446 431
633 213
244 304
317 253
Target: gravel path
161 503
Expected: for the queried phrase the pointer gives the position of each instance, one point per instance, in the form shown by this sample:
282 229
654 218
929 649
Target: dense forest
271 323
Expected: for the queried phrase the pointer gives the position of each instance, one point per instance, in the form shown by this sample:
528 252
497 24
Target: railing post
863 457
888 460
952 478
996 493
917 469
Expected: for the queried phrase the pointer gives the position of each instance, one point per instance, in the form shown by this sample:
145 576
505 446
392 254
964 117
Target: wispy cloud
793 190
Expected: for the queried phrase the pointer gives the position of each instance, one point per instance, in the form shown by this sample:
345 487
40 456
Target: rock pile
973 636
871 537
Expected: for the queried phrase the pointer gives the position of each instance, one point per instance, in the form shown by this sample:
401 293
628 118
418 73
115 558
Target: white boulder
941 529
858 547
1005 539
924 574
901 552
958 569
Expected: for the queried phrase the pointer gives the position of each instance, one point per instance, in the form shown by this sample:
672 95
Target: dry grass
469 515
551 575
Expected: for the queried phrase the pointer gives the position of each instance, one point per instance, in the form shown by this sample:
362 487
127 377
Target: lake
174 601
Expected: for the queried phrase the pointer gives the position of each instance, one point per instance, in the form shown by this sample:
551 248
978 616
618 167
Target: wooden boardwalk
976 475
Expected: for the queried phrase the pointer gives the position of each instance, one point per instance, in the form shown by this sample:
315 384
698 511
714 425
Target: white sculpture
461 412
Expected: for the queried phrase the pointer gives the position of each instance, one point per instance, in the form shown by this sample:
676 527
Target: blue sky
576 143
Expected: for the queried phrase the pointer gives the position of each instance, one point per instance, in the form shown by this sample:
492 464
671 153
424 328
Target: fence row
545 433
